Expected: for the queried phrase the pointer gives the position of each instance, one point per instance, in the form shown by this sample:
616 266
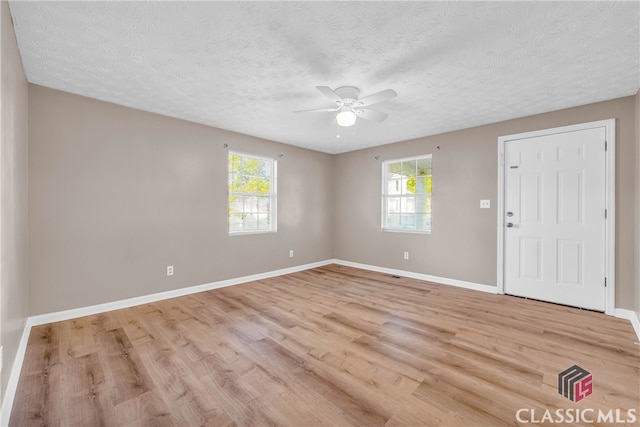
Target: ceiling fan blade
377 97
373 115
318 110
329 93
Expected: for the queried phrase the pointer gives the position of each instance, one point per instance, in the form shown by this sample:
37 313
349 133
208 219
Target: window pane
251 204
236 203
235 222
256 184
262 169
408 221
409 205
263 204
423 222
423 204
248 177
393 205
235 162
409 168
394 186
394 169
253 166
250 221
407 186
421 184
263 222
393 221
424 166
267 169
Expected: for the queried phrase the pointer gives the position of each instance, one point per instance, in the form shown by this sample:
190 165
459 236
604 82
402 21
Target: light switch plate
485 204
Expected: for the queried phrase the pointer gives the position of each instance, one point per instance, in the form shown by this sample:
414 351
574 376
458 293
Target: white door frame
610 173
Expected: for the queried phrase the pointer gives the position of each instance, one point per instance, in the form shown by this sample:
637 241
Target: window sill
399 230
246 233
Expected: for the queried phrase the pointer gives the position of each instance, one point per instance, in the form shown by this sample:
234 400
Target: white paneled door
554 218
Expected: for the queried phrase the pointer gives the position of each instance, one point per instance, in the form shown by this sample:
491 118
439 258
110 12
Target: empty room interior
319 213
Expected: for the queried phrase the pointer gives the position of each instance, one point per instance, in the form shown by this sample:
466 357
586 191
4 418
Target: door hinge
605 282
605 145
605 214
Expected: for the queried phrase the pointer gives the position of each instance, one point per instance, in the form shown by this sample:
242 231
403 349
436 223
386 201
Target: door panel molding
609 126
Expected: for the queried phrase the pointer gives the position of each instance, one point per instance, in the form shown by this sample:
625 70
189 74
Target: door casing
610 227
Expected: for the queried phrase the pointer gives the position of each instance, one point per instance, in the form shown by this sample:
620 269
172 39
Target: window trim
385 196
273 195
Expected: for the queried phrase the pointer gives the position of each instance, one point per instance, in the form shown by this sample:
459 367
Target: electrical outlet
485 204
170 270
406 255
291 253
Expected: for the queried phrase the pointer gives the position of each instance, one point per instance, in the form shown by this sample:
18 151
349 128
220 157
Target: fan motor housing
348 93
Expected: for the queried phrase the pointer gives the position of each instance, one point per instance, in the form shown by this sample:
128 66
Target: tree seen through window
251 193
407 194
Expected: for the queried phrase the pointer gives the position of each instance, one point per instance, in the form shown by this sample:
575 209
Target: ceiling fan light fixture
346 117
350 107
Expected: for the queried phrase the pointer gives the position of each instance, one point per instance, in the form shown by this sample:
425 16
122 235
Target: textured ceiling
246 66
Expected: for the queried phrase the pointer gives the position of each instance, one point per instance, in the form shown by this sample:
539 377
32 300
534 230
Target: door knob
509 224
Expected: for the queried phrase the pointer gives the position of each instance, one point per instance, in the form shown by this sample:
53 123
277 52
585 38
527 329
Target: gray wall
13 202
118 194
463 243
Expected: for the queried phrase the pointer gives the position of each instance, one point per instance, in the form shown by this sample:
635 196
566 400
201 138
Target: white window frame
273 202
385 196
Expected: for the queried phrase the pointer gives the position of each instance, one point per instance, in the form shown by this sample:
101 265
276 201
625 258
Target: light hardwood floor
329 346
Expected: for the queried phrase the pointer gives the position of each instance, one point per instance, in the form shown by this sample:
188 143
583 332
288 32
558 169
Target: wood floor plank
146 409
85 388
127 376
77 340
330 346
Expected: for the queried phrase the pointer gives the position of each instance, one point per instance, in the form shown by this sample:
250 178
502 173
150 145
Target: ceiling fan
350 107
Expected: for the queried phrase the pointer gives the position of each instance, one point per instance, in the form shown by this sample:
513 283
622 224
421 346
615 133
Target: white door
554 207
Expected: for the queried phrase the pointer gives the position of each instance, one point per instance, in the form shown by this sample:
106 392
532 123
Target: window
252 194
406 194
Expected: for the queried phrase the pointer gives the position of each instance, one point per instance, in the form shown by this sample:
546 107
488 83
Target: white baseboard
621 313
7 401
43 319
420 276
58 316
631 316
14 376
